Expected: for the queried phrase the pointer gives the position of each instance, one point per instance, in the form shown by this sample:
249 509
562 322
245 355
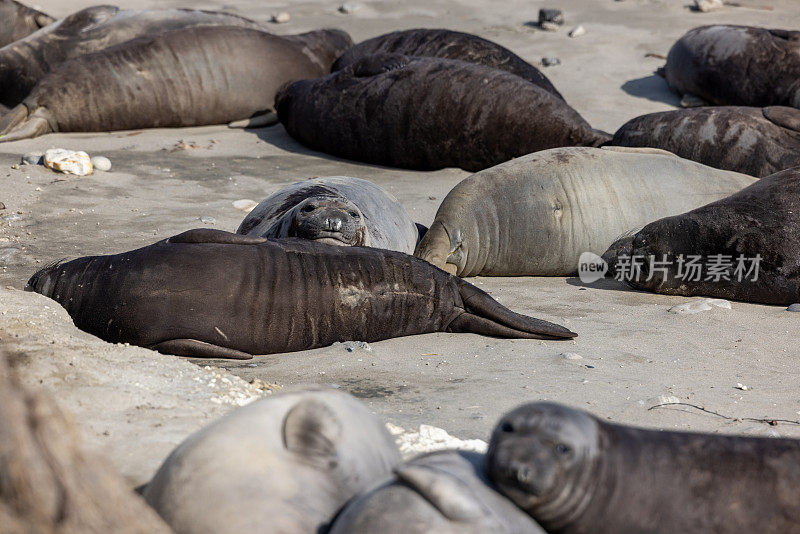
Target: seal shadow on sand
652 87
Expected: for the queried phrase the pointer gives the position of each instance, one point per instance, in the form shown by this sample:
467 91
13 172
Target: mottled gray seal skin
338 210
25 62
18 21
447 44
283 464
189 77
576 474
737 66
753 141
444 492
211 293
537 214
760 220
428 113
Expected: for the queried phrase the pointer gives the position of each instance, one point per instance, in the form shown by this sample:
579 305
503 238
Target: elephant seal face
335 221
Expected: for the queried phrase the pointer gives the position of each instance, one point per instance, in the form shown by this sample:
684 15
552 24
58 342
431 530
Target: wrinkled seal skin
444 492
25 62
18 21
761 219
737 66
576 474
190 77
753 141
284 464
217 294
339 210
537 214
428 113
447 44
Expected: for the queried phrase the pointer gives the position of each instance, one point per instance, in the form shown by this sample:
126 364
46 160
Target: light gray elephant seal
753 141
338 210
18 21
190 77
576 474
284 464
537 214
444 492
743 247
737 66
25 62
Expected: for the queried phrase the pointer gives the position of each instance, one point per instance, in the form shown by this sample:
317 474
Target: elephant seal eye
354 215
507 427
562 449
308 208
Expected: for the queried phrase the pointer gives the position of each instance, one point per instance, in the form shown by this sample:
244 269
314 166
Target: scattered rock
692 101
206 219
794 308
701 305
68 161
430 438
550 61
549 26
2 206
707 5
33 158
349 8
577 31
101 163
15 166
553 16
742 387
266 387
571 356
245 204
280 18
350 346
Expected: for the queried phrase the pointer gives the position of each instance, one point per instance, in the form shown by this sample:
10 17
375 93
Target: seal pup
736 66
428 113
446 492
285 464
753 141
18 21
338 210
537 214
574 473
447 44
210 293
743 247
175 79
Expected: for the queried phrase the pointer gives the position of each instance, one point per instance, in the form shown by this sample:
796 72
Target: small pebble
571 356
280 18
707 5
205 219
555 16
794 308
577 31
245 204
742 387
549 26
550 61
349 8
33 158
692 101
68 161
101 163
15 166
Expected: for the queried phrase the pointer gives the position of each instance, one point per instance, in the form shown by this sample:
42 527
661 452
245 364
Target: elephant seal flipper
18 124
449 495
783 116
221 237
198 349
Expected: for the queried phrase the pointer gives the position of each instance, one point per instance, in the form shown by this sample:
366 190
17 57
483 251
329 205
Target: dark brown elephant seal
191 77
18 21
428 113
216 294
25 62
737 66
444 492
753 141
574 474
447 44
747 247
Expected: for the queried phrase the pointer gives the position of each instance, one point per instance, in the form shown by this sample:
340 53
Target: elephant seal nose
333 224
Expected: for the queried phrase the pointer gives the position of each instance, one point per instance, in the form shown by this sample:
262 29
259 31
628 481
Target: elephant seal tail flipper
198 349
435 247
783 116
261 120
484 315
600 139
19 123
454 499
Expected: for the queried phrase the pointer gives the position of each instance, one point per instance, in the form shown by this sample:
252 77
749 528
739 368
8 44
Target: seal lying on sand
428 113
445 492
24 63
753 141
190 77
338 210
286 463
574 473
210 293
743 247
18 21
737 65
447 44
537 214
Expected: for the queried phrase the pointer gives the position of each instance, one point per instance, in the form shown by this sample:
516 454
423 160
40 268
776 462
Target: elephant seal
338 210
447 44
211 293
428 113
753 141
25 62
190 77
444 492
285 464
18 21
574 473
537 214
743 247
737 66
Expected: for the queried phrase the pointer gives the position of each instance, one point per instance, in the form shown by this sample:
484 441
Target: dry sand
633 353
